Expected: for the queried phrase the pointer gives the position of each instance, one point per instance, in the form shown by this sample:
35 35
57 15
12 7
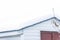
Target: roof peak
54 17
31 25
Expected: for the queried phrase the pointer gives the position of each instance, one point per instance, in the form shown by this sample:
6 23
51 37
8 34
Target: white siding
33 33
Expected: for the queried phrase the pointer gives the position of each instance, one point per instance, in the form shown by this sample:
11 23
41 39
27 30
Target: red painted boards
46 35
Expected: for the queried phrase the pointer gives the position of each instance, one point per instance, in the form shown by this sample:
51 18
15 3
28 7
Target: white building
43 30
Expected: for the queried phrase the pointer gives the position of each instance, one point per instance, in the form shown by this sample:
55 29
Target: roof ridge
30 25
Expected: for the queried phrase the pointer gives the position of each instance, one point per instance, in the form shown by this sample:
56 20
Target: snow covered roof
26 26
17 32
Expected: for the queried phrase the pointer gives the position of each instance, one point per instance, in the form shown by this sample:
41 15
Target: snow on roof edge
29 25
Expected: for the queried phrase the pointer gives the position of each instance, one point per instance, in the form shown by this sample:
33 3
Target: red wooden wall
45 35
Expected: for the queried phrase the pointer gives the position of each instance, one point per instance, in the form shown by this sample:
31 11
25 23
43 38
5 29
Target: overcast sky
13 13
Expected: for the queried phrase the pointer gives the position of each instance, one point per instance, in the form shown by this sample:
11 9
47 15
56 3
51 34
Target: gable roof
30 25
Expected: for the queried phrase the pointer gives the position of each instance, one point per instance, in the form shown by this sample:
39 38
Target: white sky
13 13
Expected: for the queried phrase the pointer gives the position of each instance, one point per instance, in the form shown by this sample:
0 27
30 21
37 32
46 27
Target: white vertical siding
33 33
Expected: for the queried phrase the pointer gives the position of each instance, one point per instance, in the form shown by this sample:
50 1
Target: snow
15 14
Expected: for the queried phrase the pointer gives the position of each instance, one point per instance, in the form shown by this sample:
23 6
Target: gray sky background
14 13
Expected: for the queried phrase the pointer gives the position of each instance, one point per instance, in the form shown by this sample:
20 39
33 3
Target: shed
43 30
